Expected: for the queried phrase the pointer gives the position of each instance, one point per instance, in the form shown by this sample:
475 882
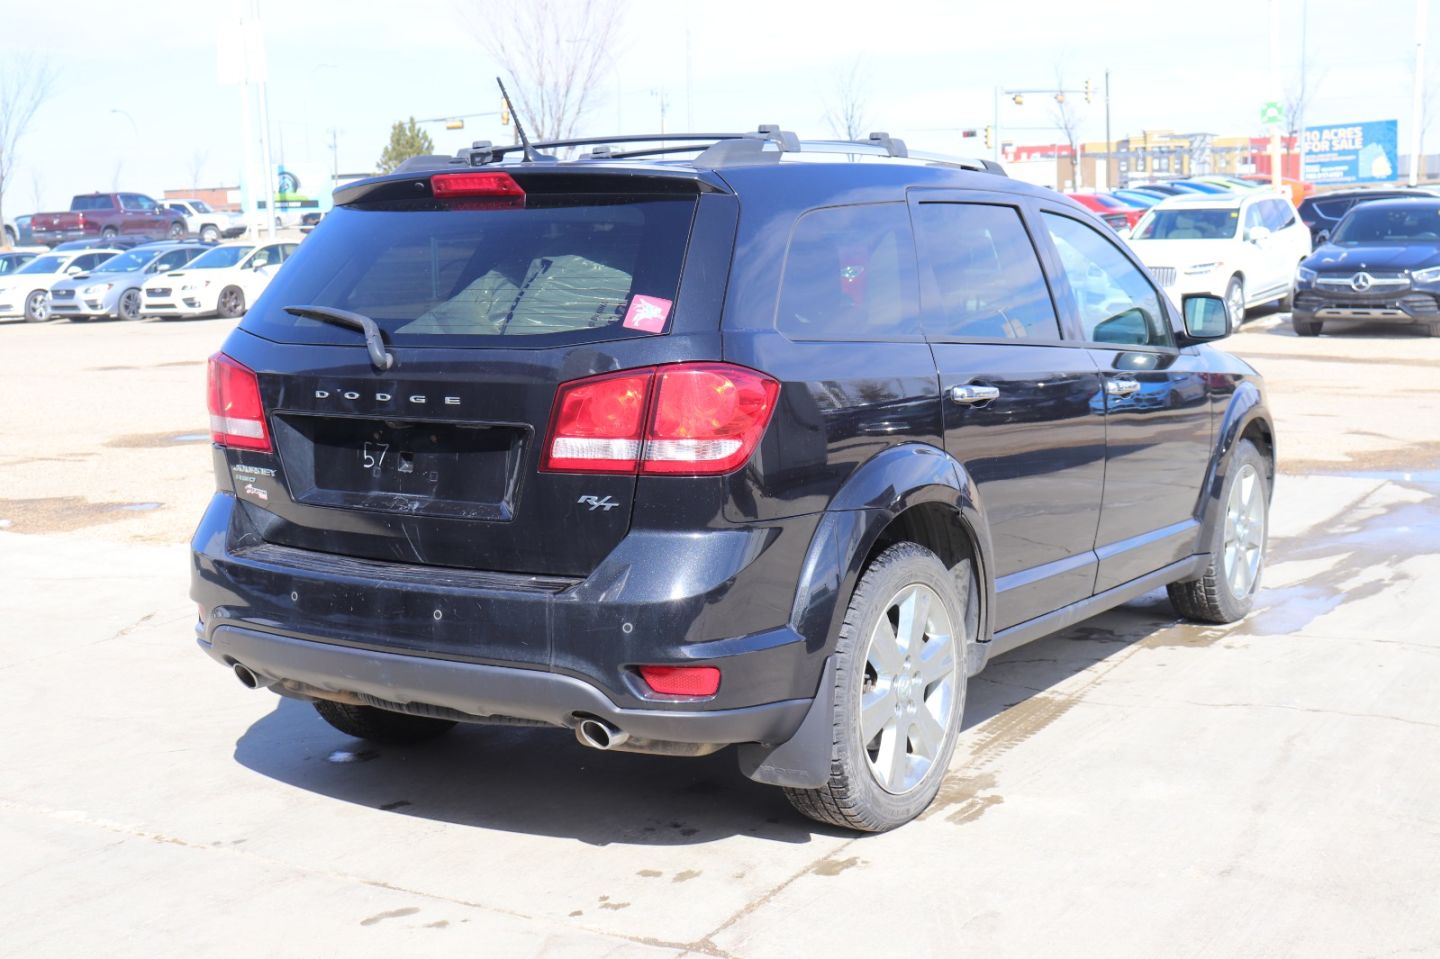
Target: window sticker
647 313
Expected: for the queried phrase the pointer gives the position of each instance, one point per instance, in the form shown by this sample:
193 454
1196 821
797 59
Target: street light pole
1276 174
1108 147
1418 97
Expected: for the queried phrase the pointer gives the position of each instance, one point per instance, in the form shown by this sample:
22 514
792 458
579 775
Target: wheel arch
1245 418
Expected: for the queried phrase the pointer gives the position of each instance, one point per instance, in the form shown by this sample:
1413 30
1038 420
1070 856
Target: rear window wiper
380 357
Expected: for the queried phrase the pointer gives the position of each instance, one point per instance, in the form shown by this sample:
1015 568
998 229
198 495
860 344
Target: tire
109 233
1235 300
231 302
1306 327
209 233
1222 594
10 238
873 788
129 306
37 307
177 230
379 725
1433 329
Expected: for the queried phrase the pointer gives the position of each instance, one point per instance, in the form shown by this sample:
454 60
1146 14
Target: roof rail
895 148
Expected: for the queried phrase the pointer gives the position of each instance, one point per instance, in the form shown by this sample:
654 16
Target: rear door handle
1121 387
972 394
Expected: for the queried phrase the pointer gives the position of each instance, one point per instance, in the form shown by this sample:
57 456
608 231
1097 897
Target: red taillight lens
597 424
237 417
682 680
708 418
704 419
445 185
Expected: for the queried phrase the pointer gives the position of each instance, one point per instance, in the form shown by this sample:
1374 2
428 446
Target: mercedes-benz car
1382 263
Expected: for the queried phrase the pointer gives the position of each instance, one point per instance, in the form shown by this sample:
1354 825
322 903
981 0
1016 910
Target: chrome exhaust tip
249 680
598 734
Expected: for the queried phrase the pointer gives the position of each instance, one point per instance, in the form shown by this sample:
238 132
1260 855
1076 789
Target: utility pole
1276 175
1109 184
1418 97
334 158
1304 89
995 128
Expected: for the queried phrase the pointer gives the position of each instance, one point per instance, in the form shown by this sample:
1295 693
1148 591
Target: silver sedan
112 289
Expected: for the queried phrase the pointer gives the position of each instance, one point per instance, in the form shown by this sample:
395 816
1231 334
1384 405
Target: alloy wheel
1244 532
909 686
38 307
130 305
1236 302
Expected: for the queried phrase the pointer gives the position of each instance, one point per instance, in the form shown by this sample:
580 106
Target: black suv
773 446
1323 212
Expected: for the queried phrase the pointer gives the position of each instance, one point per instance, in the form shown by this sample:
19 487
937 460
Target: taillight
682 680
596 427
698 419
237 417
446 185
708 418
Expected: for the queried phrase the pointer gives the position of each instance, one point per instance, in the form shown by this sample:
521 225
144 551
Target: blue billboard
1351 153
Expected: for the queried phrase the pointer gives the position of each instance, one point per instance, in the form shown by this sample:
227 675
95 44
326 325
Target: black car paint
1322 212
750 571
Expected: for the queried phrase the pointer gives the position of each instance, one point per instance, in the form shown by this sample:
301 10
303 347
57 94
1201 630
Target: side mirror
1206 317
71 270
1257 234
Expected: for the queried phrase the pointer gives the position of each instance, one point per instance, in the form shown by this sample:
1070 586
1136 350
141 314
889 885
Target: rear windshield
558 270
102 202
1187 225
1367 223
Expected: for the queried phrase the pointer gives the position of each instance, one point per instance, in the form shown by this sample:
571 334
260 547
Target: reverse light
685 419
447 185
682 680
237 417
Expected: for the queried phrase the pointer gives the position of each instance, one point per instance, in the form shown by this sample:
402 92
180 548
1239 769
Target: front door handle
972 394
1121 387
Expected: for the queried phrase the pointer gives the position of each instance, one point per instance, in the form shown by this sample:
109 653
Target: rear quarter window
850 275
560 269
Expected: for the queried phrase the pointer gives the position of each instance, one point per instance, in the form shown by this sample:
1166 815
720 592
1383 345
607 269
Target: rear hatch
487 304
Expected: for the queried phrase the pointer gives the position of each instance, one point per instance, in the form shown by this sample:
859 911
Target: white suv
1243 247
208 224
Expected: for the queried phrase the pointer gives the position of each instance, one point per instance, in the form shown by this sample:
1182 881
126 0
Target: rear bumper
485 690
549 650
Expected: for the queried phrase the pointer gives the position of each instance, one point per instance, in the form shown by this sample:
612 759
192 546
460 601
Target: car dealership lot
1132 786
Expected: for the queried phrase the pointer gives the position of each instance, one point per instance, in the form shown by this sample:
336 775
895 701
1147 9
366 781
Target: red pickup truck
107 215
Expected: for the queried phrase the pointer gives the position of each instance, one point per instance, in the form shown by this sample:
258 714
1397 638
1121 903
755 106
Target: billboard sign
1351 153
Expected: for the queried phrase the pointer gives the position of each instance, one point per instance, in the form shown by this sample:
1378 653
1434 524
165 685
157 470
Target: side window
127 202
985 272
287 251
850 275
143 202
1278 215
172 260
90 260
1113 298
264 256
1253 217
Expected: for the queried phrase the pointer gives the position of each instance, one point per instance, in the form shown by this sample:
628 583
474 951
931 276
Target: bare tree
1296 103
846 115
1066 116
554 51
25 83
197 167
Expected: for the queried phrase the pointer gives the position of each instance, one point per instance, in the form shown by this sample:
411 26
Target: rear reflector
703 419
682 680
237 417
446 185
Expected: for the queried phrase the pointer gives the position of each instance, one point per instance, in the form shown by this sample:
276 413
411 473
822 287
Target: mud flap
803 760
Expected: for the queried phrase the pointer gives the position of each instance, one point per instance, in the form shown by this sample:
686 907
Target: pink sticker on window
647 313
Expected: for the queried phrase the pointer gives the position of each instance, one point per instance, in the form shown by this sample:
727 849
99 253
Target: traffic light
1019 99
454 124
1088 91
505 115
989 136
1059 97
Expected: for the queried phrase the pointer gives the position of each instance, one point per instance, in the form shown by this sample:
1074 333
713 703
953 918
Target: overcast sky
930 70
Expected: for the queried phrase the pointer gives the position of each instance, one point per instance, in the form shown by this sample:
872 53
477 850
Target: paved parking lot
1130 787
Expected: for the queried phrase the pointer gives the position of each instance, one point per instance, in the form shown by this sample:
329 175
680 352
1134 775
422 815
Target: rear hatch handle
381 358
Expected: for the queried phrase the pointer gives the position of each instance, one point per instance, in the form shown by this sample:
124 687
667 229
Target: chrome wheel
37 307
1244 532
909 686
1235 300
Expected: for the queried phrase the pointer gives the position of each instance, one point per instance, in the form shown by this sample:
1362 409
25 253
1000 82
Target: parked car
208 224
1231 183
1161 190
96 243
1117 215
11 235
112 288
1381 263
23 235
1322 212
1142 199
107 216
1191 185
10 262
219 282
26 292
1242 246
736 450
